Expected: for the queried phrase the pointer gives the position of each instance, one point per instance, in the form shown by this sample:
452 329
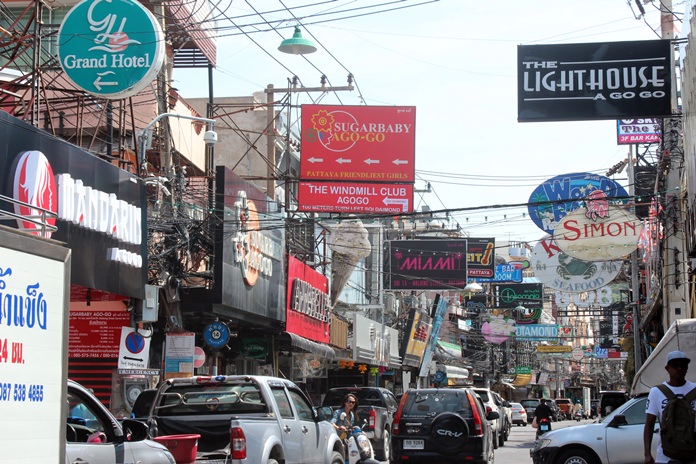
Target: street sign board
362 197
358 143
110 49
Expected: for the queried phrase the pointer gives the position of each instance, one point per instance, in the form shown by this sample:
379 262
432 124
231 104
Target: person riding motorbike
543 414
345 416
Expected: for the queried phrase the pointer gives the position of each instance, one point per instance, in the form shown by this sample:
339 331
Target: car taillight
478 421
238 443
397 416
372 420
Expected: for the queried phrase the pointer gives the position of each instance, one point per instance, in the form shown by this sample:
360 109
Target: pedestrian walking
672 405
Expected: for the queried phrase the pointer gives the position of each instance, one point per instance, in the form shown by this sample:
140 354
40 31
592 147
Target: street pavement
521 440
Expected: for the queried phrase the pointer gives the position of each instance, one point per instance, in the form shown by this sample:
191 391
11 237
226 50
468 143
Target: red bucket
182 447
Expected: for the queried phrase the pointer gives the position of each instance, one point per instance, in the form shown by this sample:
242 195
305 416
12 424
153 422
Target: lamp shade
473 287
297 45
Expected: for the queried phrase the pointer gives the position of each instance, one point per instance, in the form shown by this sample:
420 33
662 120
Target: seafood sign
560 271
603 234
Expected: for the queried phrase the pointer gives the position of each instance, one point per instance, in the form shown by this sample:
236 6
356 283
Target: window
283 403
304 409
635 414
82 419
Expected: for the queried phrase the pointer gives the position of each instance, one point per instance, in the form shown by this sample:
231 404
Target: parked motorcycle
543 426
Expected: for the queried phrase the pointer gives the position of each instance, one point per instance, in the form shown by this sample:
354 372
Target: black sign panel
101 212
480 257
611 80
531 296
426 264
249 272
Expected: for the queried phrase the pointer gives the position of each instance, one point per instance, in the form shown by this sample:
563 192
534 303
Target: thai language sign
610 80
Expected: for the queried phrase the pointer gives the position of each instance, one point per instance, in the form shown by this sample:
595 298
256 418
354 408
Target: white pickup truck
244 418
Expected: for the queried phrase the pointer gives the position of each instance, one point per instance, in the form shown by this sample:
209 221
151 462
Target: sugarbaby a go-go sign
358 143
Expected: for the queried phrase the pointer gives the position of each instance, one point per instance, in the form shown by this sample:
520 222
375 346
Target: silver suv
492 404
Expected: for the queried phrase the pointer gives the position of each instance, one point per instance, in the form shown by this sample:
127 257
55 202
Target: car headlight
541 443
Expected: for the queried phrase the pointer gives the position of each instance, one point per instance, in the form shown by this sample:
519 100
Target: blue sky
455 61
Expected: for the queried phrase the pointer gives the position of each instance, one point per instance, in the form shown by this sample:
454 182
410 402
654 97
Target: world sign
552 200
111 49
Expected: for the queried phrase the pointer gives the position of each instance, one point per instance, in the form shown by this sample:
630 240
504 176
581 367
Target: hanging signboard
358 143
599 232
426 264
110 49
563 272
586 81
555 198
645 130
514 295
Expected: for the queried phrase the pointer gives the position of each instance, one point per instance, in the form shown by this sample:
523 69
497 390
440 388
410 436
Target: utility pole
270 132
674 284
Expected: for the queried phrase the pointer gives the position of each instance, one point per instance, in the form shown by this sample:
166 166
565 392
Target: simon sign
111 49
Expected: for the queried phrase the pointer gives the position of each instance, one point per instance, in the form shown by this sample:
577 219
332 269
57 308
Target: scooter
578 415
358 446
543 426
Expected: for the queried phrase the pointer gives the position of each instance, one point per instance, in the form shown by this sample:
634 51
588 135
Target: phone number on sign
21 392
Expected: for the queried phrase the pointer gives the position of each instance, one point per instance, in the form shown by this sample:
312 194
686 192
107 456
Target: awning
451 348
522 380
311 346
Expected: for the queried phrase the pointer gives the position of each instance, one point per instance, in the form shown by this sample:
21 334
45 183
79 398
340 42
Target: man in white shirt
677 366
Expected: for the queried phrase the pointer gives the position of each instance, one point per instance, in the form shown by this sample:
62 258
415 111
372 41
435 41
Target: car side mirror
493 415
506 404
134 430
324 413
617 421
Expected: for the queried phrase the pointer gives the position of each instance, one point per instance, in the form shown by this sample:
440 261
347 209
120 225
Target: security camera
210 137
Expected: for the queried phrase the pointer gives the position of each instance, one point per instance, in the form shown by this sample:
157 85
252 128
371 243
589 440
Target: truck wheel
385 453
336 458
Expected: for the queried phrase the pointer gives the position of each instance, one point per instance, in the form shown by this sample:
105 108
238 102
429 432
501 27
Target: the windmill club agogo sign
111 49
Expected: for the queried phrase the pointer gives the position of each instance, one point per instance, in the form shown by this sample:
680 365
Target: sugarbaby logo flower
337 130
322 122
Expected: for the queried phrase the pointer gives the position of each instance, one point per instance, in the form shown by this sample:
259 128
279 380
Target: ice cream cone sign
349 243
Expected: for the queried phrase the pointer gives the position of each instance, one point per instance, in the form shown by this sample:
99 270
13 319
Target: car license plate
413 444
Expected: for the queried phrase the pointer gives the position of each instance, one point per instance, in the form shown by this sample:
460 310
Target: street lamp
210 137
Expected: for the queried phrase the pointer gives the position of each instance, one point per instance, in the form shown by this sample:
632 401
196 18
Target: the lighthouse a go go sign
111 49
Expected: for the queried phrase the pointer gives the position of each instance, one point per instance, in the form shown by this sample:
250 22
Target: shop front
98 213
236 322
306 354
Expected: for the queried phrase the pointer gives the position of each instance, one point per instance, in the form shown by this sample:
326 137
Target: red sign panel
324 197
358 143
96 334
308 308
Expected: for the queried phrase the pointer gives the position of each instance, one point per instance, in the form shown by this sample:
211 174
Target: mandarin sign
253 250
358 143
